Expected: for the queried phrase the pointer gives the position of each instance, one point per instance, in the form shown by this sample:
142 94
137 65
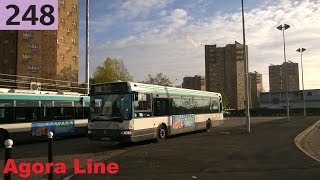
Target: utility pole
245 58
87 48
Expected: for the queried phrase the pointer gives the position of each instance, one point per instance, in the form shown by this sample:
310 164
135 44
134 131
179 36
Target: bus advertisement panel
182 121
57 127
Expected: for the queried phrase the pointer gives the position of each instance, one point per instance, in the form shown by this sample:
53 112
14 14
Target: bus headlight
90 125
125 132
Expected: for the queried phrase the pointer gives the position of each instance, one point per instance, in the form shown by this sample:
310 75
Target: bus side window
79 110
27 111
6 111
161 107
142 108
63 110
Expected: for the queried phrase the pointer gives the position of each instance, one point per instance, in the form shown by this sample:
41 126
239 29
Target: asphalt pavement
268 152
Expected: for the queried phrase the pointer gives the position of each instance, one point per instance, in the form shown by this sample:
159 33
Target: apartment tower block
32 56
225 73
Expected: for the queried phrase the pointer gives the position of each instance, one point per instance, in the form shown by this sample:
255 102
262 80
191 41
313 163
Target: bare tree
158 79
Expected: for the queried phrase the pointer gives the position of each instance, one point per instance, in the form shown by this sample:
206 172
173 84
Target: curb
298 140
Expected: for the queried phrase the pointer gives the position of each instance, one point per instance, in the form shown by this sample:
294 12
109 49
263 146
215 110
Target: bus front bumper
110 135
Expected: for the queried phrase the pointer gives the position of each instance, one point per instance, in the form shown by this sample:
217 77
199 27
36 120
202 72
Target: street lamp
304 99
282 28
245 58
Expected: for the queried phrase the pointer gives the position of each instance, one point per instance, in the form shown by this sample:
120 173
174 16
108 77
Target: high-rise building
225 73
197 82
277 77
32 56
255 84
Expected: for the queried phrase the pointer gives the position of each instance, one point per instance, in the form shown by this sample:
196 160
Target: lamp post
245 58
304 98
87 48
282 28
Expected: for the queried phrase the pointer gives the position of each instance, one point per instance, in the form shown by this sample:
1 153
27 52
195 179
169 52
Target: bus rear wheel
161 133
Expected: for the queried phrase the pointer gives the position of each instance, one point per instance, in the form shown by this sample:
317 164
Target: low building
278 100
197 83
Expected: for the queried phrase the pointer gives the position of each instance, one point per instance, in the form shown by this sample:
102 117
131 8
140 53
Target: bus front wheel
3 137
161 133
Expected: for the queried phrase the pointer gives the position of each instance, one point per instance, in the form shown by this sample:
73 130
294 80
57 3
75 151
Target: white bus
129 111
28 114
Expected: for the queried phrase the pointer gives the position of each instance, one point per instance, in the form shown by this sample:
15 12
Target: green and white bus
129 111
27 114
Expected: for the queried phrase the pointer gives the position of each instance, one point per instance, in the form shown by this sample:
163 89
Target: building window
27 56
309 93
74 40
12 51
69 13
62 20
26 35
61 56
5 61
68 30
33 68
74 23
69 48
34 46
61 1
75 6
11 71
5 41
74 58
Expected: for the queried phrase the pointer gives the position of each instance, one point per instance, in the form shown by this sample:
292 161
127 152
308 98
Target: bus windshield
111 107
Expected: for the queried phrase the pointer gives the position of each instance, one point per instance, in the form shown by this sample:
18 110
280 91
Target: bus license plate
105 139
106 125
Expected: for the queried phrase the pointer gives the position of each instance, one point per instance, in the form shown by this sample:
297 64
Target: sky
168 36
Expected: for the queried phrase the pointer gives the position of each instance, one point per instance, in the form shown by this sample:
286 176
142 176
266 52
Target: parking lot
226 144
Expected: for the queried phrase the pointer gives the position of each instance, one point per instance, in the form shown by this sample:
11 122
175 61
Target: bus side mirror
81 100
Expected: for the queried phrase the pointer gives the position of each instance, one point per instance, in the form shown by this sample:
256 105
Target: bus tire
208 125
3 137
161 133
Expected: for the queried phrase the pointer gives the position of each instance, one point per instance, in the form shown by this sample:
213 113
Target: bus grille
106 133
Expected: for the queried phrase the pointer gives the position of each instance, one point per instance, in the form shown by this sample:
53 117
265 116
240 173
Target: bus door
143 124
161 112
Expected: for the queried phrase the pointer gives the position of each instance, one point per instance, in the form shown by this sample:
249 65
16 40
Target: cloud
132 9
178 18
123 12
173 44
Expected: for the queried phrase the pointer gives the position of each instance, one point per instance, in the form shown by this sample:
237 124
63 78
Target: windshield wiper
108 118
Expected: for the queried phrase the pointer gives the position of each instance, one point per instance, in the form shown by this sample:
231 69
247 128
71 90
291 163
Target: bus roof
142 87
44 97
